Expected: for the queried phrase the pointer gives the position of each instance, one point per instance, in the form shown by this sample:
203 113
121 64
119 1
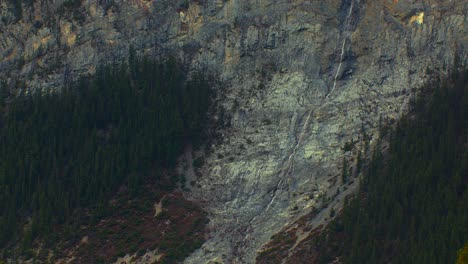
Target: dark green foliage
348 146
59 152
184 5
413 206
344 172
70 4
3 94
17 8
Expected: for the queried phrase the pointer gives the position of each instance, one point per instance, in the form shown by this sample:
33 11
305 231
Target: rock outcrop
303 78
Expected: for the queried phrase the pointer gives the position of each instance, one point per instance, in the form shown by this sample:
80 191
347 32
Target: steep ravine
305 77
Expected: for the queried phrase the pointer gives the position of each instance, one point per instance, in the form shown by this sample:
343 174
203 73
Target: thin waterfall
288 167
346 34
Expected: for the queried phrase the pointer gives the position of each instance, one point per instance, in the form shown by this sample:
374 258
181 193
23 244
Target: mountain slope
412 202
304 78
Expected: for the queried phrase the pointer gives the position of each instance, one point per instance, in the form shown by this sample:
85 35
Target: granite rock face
302 79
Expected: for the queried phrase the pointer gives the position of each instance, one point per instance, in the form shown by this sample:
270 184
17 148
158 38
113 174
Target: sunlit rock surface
302 79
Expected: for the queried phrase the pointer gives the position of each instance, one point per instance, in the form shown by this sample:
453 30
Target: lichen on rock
303 78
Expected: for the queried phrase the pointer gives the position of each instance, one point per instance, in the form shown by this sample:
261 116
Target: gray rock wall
303 78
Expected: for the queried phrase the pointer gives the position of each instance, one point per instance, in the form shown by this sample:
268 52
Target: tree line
73 148
413 202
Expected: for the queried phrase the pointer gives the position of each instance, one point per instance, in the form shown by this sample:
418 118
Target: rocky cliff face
303 78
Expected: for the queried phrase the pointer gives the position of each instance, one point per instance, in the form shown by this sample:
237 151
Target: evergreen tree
60 151
413 202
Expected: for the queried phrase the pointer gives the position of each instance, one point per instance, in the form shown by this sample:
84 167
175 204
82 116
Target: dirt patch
280 245
139 230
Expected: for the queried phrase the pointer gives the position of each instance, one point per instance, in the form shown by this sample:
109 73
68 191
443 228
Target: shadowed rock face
304 78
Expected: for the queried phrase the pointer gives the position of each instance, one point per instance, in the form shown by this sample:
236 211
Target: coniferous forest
413 202
75 147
